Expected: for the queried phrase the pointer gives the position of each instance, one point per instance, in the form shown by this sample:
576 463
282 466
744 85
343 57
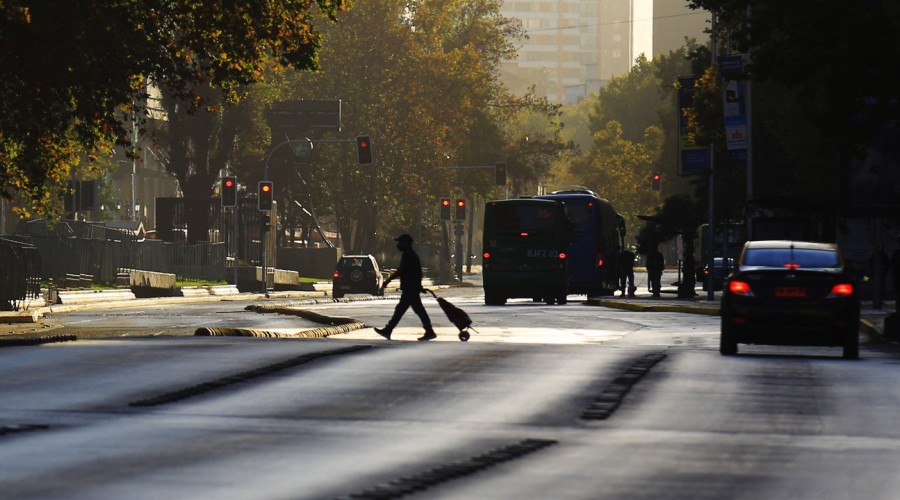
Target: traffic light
445 208
364 150
655 182
460 209
266 195
229 191
500 174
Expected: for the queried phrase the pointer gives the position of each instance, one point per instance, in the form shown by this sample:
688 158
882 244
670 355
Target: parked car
721 268
790 293
356 274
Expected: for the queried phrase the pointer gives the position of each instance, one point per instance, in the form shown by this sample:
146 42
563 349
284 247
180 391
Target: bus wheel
562 300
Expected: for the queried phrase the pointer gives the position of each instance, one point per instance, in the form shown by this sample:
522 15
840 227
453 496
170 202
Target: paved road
544 402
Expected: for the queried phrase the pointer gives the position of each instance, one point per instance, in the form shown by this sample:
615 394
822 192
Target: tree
824 83
837 56
430 102
75 72
633 136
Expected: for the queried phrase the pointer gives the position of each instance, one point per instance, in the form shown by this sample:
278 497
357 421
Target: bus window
517 219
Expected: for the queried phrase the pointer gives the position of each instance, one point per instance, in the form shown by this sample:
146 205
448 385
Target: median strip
205 387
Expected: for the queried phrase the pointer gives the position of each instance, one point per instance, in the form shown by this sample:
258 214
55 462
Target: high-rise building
576 46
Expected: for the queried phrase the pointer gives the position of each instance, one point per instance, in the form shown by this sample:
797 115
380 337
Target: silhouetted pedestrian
895 275
626 272
655 266
410 273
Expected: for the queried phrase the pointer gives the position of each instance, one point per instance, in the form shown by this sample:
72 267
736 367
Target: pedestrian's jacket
410 271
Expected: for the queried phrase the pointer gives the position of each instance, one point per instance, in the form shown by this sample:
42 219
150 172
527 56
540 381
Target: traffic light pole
459 249
710 259
264 223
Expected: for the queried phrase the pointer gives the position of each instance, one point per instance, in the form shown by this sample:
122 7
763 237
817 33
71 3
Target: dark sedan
790 293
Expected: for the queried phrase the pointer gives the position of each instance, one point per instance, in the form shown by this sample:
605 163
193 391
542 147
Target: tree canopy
75 73
632 124
424 86
837 58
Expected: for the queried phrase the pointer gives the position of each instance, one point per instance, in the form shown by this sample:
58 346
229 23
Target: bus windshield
524 218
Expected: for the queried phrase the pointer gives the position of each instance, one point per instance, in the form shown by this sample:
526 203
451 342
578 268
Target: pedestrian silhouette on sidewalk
655 265
626 272
895 275
410 273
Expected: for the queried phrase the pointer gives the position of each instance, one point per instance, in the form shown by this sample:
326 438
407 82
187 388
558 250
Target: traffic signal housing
655 180
500 174
229 191
266 193
363 150
445 208
460 209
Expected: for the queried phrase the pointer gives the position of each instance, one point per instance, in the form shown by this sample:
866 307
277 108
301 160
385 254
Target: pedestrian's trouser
409 299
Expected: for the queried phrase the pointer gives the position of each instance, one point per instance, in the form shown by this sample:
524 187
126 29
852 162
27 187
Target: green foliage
632 124
429 102
824 82
74 71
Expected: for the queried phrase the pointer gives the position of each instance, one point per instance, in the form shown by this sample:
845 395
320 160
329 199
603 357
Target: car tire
727 342
851 344
562 299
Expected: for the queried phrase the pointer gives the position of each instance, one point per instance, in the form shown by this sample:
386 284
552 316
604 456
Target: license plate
790 291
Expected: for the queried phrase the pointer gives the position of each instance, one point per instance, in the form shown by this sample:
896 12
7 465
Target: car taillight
336 275
739 288
487 255
842 290
599 259
562 255
791 265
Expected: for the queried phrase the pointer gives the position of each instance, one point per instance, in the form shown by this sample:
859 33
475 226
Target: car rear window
351 263
788 257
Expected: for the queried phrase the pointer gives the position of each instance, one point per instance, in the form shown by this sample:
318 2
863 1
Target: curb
632 306
315 333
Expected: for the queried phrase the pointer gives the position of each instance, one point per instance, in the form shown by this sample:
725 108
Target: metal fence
79 248
20 266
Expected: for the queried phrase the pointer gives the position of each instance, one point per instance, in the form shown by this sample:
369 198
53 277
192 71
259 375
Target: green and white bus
525 253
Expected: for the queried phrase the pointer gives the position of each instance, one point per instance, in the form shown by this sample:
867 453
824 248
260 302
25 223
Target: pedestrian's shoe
427 336
383 332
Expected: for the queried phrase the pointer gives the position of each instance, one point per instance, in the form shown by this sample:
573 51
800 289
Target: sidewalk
871 319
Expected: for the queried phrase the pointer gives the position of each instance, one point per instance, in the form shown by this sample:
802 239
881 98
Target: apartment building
576 46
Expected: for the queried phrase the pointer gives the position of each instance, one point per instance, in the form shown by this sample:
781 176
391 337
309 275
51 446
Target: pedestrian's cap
404 238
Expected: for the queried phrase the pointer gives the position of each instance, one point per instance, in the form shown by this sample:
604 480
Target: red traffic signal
229 191
460 209
655 180
364 150
266 195
445 208
500 174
